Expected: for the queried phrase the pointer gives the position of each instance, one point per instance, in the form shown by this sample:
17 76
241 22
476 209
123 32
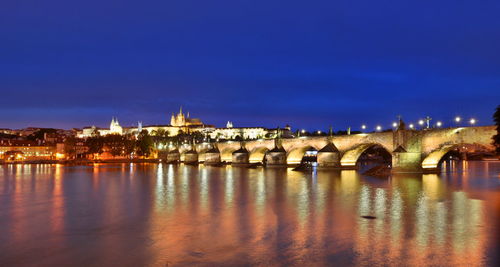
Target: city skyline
256 64
417 123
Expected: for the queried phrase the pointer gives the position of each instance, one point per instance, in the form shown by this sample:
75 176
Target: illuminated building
180 120
114 128
184 123
26 150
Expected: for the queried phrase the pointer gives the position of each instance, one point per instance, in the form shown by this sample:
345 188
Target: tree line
130 145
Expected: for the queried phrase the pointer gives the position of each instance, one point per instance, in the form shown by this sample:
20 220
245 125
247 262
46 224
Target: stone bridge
411 150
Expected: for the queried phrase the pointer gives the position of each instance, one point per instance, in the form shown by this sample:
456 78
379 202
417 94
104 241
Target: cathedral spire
172 119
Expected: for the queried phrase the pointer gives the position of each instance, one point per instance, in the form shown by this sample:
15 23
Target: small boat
303 168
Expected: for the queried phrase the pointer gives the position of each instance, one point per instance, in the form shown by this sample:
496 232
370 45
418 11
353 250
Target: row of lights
457 119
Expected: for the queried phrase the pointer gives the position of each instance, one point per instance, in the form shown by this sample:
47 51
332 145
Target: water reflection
153 215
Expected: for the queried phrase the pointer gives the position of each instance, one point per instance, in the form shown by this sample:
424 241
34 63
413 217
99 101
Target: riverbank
81 162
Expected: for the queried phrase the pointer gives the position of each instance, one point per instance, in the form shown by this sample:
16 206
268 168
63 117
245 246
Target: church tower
179 119
114 127
172 120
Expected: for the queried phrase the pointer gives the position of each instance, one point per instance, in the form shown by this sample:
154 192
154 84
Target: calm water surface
166 215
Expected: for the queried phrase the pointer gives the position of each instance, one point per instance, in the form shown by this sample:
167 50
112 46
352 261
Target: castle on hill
181 122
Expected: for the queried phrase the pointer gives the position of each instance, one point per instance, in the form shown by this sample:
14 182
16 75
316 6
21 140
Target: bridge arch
202 149
434 159
227 154
257 154
351 157
296 154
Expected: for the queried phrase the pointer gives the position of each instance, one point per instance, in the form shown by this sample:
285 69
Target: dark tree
144 144
40 134
69 146
7 136
95 144
130 144
198 137
115 143
160 136
496 138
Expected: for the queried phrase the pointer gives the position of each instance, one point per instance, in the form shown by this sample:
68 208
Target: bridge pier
406 162
212 157
191 157
328 157
276 157
240 157
173 156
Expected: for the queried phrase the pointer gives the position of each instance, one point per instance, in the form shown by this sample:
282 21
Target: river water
168 215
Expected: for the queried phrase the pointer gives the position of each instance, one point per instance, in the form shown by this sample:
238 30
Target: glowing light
394 124
421 122
412 126
303 131
457 119
472 121
439 124
363 127
319 132
311 153
379 128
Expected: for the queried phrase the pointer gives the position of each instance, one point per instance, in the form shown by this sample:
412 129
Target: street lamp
472 121
421 122
394 124
458 119
439 124
363 127
379 128
412 126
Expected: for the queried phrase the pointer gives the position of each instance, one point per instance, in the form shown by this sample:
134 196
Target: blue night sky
257 63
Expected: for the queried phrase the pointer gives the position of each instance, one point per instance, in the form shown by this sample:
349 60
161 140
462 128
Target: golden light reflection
204 188
170 191
260 194
433 187
182 215
396 223
229 187
184 190
434 224
160 189
58 208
